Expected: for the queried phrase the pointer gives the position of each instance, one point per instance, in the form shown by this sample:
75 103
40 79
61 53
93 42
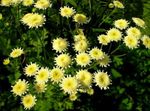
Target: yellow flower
40 87
83 59
96 54
121 24
104 62
33 20
118 4
111 5
114 34
20 87
146 41
84 77
31 69
42 4
16 1
59 44
131 42
103 39
56 75
90 91
73 97
16 52
27 2
69 85
5 2
28 101
81 46
102 80
133 31
80 18
42 75
139 22
79 37
63 60
67 11
6 61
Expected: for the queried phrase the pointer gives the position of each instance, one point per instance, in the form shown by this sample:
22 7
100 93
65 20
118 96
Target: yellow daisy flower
96 53
121 24
59 44
114 34
83 59
131 42
31 69
40 87
102 80
69 85
63 60
118 4
79 37
56 75
146 41
27 2
73 97
42 75
42 4
6 61
90 91
81 46
133 31
84 77
103 39
80 18
67 11
28 101
16 52
20 87
6 2
104 62
139 22
16 1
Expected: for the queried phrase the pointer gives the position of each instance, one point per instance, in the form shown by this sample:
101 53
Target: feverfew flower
104 62
69 85
133 31
27 2
118 4
42 4
146 41
80 18
20 87
16 52
103 39
121 24
28 101
59 44
131 41
83 59
67 11
16 1
40 87
73 96
6 61
102 80
139 22
96 53
81 46
6 2
79 37
114 34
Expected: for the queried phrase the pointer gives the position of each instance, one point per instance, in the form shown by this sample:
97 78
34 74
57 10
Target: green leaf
72 2
98 30
115 73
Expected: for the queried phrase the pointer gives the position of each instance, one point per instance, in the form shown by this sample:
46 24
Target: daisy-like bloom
20 87
96 53
31 69
40 87
42 4
79 37
16 1
90 91
67 11
104 62
28 101
16 52
139 22
114 34
81 46
27 2
56 75
83 59
33 20
131 42
73 96
118 4
69 85
80 18
146 41
42 75
59 44
121 24
63 60
103 39
6 61
5 2
133 31
102 80
84 77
